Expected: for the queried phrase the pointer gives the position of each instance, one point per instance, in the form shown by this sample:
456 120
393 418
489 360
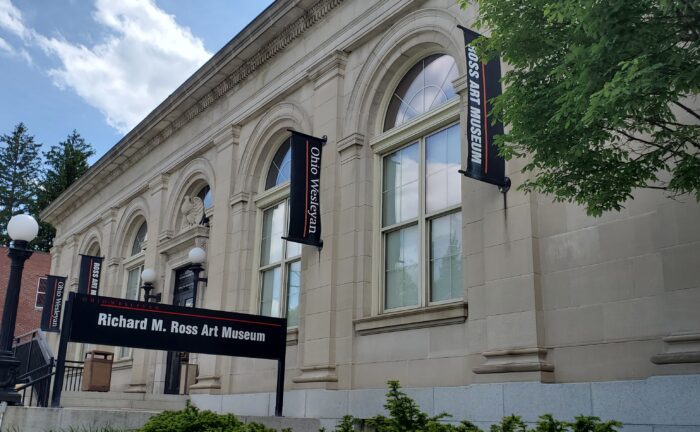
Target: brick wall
28 316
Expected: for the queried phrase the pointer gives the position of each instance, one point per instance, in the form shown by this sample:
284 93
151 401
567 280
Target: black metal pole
196 269
18 253
62 348
279 396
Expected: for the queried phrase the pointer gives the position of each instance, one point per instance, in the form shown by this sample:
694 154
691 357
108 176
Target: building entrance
183 295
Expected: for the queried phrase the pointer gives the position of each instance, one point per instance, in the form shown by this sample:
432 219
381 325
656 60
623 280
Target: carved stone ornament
192 210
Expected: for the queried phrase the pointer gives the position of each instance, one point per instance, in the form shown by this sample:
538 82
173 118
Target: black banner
484 163
51 315
305 189
90 270
136 324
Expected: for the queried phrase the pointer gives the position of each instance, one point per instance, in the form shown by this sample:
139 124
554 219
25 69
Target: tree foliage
65 163
601 97
19 171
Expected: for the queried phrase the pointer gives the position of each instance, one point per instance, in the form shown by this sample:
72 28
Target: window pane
446 257
279 171
400 185
270 298
206 196
40 293
293 291
137 246
402 267
443 181
132 284
272 232
425 86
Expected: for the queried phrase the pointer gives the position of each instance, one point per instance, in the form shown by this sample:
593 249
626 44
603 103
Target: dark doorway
183 296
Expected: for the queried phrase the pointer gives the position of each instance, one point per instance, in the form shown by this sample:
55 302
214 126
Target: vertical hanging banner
483 161
90 270
51 315
305 189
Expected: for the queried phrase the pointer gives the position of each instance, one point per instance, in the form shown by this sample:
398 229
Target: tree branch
691 112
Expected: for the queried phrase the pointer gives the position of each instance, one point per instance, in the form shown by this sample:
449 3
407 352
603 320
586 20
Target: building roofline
274 28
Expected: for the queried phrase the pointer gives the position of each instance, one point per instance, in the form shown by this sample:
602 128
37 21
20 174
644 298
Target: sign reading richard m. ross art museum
136 324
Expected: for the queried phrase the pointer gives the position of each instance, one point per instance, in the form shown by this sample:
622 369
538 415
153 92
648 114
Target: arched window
279 171
421 218
428 84
279 268
206 196
141 235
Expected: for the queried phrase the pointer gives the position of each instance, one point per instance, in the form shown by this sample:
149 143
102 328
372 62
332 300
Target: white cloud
129 73
11 19
4 46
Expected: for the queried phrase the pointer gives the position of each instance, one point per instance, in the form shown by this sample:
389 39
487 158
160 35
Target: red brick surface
28 317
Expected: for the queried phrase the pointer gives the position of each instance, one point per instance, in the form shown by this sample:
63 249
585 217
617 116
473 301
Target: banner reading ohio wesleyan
484 163
90 270
305 188
51 315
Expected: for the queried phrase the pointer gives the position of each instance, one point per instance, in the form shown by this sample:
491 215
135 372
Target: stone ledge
515 360
311 374
432 316
679 348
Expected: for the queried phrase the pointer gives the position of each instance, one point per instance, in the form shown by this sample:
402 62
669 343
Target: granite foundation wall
656 404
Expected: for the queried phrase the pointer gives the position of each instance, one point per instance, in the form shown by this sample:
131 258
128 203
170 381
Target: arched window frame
386 143
271 199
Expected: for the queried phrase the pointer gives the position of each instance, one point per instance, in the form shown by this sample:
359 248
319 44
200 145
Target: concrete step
118 400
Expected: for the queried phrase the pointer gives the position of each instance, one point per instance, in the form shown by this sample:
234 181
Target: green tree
65 163
19 170
601 97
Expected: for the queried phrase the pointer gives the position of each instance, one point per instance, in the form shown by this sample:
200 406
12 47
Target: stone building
482 305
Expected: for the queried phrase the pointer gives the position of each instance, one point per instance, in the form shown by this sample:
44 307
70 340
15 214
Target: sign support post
62 348
279 397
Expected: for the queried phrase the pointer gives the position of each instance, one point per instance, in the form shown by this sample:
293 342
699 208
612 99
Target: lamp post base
8 377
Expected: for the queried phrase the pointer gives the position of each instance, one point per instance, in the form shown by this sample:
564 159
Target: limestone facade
547 294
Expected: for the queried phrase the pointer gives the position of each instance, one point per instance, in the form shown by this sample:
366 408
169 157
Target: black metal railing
37 383
73 378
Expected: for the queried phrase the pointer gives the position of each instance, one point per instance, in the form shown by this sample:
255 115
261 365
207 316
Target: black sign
136 324
483 161
305 189
51 315
90 269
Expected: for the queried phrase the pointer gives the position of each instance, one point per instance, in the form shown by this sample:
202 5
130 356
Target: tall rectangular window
40 294
422 221
280 267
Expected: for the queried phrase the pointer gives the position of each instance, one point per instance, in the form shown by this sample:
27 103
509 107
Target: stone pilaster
219 272
143 361
320 266
502 274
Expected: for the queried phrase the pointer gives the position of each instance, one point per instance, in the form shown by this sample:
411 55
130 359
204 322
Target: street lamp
197 256
148 276
22 229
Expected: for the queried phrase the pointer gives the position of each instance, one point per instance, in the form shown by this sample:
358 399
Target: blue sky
100 66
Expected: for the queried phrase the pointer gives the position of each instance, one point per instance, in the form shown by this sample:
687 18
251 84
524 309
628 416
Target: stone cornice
188 102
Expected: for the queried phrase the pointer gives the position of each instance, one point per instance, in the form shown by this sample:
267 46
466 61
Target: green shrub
406 416
191 419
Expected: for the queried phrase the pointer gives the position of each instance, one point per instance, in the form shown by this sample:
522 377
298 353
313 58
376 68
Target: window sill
292 336
431 316
125 363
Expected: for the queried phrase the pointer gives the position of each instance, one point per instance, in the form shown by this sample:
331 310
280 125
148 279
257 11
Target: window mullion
425 286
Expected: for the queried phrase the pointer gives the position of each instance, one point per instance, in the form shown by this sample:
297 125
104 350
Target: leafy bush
406 416
191 419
